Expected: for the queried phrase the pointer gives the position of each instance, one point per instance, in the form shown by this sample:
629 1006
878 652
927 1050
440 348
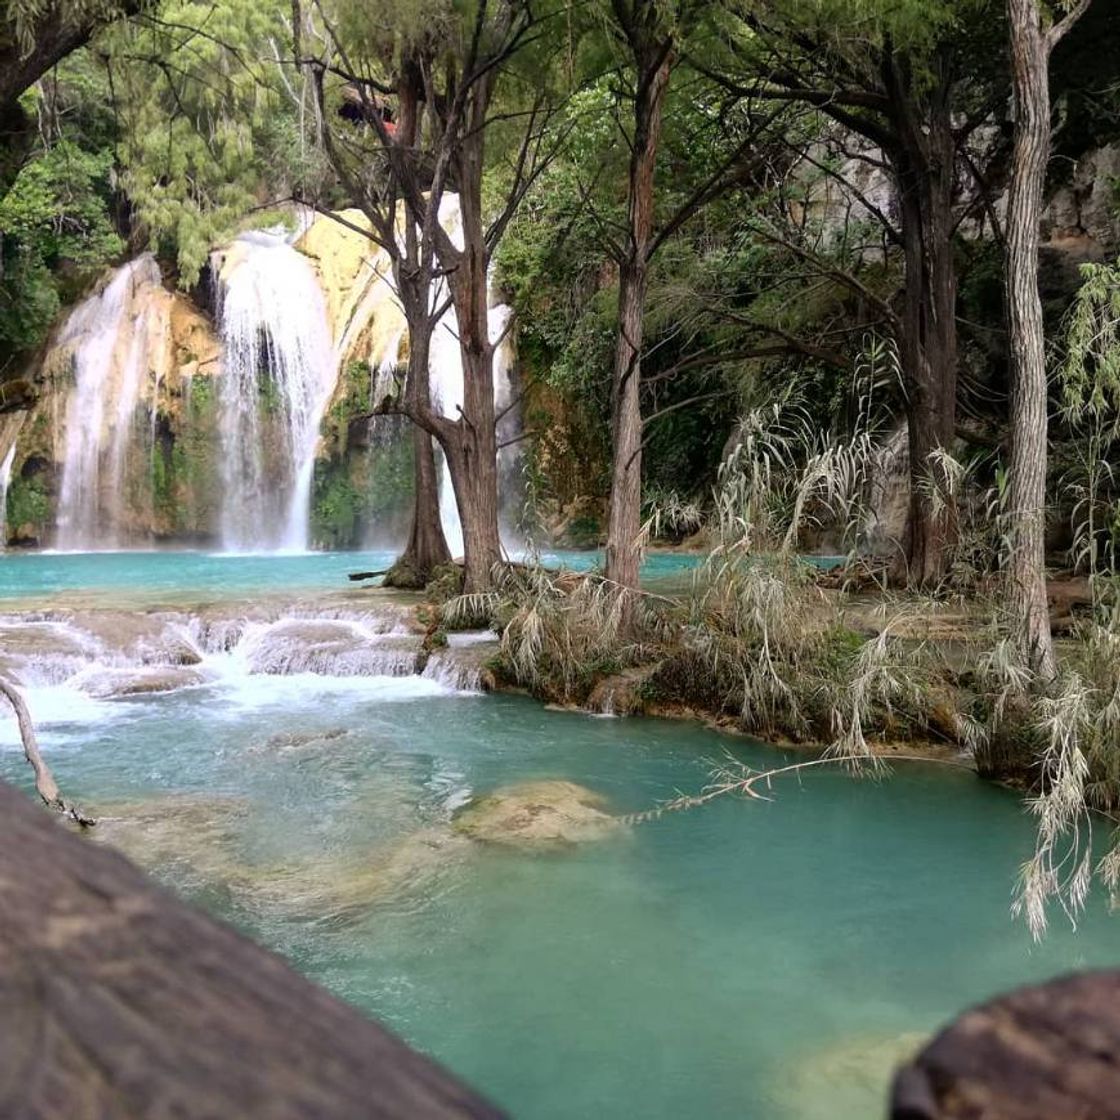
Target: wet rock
541 814
191 840
28 639
621 694
284 741
106 684
463 668
45 652
343 888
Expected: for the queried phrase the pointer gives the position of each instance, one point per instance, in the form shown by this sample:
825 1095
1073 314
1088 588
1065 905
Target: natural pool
762 960
166 575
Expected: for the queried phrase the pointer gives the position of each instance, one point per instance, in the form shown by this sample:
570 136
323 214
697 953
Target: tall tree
892 80
651 33
379 173
1033 37
469 51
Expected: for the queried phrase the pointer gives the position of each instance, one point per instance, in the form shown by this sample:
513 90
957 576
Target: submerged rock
539 814
204 843
341 888
191 840
842 1077
284 741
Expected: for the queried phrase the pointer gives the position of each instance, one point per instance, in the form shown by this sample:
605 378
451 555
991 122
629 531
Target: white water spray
279 372
5 480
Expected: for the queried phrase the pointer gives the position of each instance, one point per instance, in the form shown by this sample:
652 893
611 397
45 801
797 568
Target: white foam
56 709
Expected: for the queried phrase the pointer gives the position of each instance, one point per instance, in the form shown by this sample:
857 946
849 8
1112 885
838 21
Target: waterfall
110 337
10 427
279 370
5 479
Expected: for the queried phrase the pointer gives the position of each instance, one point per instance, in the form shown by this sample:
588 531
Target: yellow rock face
195 343
355 275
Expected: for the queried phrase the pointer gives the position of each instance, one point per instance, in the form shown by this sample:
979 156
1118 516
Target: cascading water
5 480
10 426
111 337
279 371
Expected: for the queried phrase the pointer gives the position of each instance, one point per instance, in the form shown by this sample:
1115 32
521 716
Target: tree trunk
923 165
427 546
472 460
472 452
624 526
471 442
57 30
1030 65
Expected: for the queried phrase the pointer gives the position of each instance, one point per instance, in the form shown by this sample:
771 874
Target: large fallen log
118 1001
1050 1052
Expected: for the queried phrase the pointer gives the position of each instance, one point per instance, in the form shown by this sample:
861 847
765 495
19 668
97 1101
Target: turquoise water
745 959
156 575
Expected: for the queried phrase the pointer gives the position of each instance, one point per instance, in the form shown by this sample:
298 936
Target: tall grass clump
560 631
775 650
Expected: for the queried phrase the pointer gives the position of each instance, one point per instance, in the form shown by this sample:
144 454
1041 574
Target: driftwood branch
45 785
356 576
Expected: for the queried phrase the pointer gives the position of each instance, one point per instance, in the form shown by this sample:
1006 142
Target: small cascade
9 433
5 480
279 374
110 337
75 656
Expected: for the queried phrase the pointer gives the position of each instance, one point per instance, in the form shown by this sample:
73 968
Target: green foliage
54 223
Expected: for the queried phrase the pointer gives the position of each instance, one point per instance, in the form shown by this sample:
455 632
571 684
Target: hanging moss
366 489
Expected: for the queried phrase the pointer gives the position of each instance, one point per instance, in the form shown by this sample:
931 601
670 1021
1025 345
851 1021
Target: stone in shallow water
198 844
331 647
842 1077
342 888
284 741
540 814
189 840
